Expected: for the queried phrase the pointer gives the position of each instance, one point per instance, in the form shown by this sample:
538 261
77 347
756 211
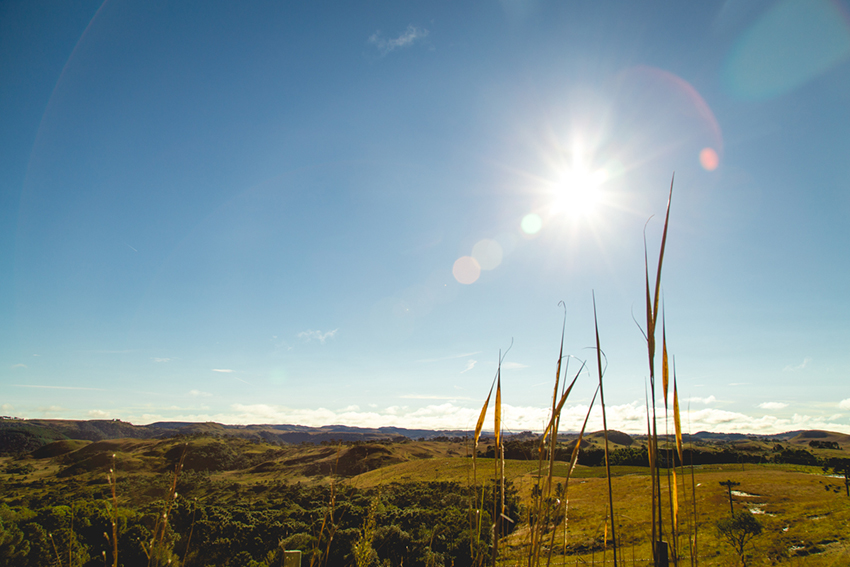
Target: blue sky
340 212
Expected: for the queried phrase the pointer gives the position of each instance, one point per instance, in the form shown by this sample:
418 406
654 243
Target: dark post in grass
729 484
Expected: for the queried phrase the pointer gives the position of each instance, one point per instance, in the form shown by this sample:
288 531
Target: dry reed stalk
55 550
475 535
605 430
652 300
480 424
677 424
191 531
672 496
573 462
551 428
157 544
541 521
113 513
694 548
498 437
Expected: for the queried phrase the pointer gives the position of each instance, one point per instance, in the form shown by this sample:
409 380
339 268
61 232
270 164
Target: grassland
805 513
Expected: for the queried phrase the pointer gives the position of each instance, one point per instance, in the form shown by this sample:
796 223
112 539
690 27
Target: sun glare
578 193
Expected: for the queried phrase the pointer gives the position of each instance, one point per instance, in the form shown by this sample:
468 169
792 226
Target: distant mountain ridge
26 435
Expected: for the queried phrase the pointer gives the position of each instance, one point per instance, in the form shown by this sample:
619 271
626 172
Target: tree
839 466
739 530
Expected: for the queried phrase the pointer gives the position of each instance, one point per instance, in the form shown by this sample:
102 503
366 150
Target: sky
343 212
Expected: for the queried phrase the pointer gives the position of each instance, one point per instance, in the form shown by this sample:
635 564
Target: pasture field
805 513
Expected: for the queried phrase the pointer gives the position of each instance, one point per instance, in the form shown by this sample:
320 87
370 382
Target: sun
577 192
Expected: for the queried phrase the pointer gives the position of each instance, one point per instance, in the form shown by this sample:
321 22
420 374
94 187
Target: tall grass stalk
652 300
550 433
573 462
159 550
477 505
677 424
497 432
605 431
113 512
694 546
543 504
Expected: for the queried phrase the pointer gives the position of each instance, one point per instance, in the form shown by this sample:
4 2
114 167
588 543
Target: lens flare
488 254
531 223
466 270
708 159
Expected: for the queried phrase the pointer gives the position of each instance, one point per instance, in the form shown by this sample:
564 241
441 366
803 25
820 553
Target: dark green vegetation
738 530
242 501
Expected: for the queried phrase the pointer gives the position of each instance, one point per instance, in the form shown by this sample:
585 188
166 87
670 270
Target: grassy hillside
289 492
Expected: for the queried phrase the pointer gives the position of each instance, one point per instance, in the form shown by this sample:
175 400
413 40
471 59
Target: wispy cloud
97 414
407 38
844 404
107 351
800 366
470 364
57 387
773 405
199 394
162 359
317 335
452 357
513 365
19 365
225 370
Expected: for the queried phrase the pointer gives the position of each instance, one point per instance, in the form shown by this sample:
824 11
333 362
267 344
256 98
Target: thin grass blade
677 420
483 413
661 254
498 421
574 456
665 365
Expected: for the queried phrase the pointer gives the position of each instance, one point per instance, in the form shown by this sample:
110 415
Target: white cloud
427 397
317 335
407 38
773 405
199 394
19 365
47 411
513 365
7 407
630 418
470 364
844 404
225 370
708 400
97 414
161 359
800 366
